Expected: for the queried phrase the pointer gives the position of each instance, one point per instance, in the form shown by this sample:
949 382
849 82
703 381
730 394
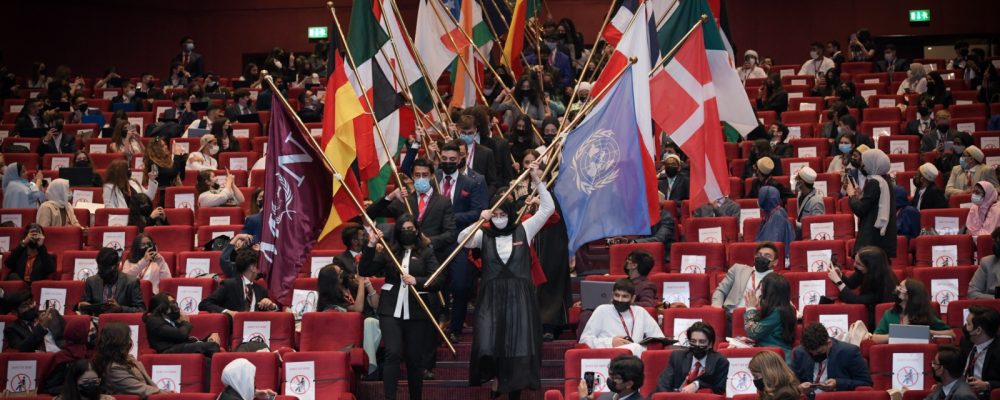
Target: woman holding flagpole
507 337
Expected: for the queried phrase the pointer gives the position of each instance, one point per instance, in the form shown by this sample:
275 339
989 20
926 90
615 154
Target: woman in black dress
507 340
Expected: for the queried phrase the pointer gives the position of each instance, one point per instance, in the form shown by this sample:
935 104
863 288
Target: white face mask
213 149
977 199
499 222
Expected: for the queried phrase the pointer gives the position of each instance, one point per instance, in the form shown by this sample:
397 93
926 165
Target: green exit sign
318 32
920 15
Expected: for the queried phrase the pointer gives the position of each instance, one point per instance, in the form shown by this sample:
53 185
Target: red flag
298 188
684 106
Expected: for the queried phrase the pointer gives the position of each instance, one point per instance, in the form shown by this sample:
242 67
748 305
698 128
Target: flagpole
556 145
364 94
336 174
496 36
583 73
677 46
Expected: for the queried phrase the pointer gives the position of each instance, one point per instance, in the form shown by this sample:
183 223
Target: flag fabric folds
339 146
615 28
523 11
470 18
437 38
298 187
601 171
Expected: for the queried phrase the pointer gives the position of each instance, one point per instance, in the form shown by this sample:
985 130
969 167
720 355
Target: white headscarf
239 375
58 192
877 165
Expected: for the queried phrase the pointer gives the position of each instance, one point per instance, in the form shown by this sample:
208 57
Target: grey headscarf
876 165
11 173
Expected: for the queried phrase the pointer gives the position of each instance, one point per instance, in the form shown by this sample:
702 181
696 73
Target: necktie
695 373
972 362
185 63
248 294
447 186
357 259
472 151
421 205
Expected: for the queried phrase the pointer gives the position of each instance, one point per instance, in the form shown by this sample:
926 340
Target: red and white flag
684 106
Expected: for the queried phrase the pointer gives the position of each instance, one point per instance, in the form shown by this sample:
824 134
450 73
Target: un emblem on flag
596 161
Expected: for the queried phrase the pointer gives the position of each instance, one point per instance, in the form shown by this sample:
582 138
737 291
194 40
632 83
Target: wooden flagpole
583 72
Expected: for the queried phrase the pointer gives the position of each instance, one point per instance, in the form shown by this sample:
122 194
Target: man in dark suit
310 109
674 185
982 363
826 364
890 63
240 293
922 124
169 330
128 96
947 369
354 238
626 373
241 105
181 112
479 158
27 334
117 292
928 195
55 141
697 367
192 62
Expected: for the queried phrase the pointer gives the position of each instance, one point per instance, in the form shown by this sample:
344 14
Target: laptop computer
199 106
127 107
593 294
899 334
34 132
197 133
248 118
77 176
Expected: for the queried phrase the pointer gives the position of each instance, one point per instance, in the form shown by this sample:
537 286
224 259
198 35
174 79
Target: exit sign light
920 15
318 32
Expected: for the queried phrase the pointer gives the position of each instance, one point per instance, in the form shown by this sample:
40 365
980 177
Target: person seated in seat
342 290
947 370
212 194
141 213
252 223
824 364
57 211
984 215
122 373
625 377
972 169
979 342
912 307
238 376
169 330
117 292
770 320
697 367
240 293
33 330
119 185
222 129
18 191
772 377
873 278
983 285
741 278
638 264
145 262
928 196
721 207
30 261
764 173
204 158
620 324
82 382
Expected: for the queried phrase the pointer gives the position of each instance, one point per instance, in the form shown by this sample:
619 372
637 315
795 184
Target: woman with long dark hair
912 306
770 320
144 262
119 187
527 94
167 167
168 329
82 382
937 93
141 213
872 277
521 137
122 373
772 95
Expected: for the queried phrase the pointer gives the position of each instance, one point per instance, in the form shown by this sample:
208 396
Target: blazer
162 336
468 197
866 209
126 292
437 222
44 267
811 205
124 379
233 111
714 374
961 391
991 365
680 190
729 293
913 128
958 182
422 264
986 279
185 119
64 144
484 163
930 141
29 338
898 65
349 260
195 65
931 198
844 363
229 296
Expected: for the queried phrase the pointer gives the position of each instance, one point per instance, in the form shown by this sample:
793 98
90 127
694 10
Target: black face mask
761 264
260 205
818 357
996 249
621 306
408 238
759 384
612 385
109 276
671 171
855 163
82 108
943 128
90 390
28 315
32 244
448 167
930 88
82 164
937 378
174 312
521 132
698 352
844 93
924 111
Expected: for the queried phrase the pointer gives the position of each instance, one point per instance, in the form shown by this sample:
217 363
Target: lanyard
628 332
109 292
822 368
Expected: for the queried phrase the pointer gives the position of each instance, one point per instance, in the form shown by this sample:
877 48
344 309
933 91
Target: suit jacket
933 198
233 111
29 338
126 292
65 144
811 205
729 293
958 182
229 296
422 264
913 127
930 141
985 280
128 379
714 374
348 260
961 391
844 363
437 222
185 119
162 336
44 267
484 164
991 365
195 65
680 190
468 197
898 65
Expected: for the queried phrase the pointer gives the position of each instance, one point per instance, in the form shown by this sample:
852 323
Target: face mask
468 139
174 313
759 384
818 357
110 276
213 149
977 199
82 108
82 164
29 315
422 185
961 162
32 244
814 54
844 93
129 93
698 351
672 171
189 46
855 163
408 238
612 385
943 128
448 167
845 148
761 264
499 222
260 204
621 306
924 112
90 390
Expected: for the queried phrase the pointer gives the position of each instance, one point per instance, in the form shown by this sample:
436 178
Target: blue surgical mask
965 165
845 148
422 185
959 149
468 139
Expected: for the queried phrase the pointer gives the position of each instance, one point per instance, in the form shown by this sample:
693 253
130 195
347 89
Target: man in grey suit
625 376
741 278
181 112
947 369
111 288
698 367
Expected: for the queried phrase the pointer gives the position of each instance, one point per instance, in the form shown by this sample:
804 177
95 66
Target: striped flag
437 38
619 22
339 142
524 10
470 18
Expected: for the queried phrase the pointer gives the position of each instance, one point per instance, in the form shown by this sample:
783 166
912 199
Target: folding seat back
970 125
276 329
12 286
246 130
984 246
653 364
711 230
116 237
180 197
943 250
987 139
59 239
816 255
791 166
676 321
61 295
20 217
828 227
946 284
24 372
804 104
875 114
901 365
207 233
104 160
140 342
837 318
887 100
219 216
688 257
193 264
180 373
32 144
266 375
317 336
172 238
179 216
256 178
78 265
740 381
111 217
189 292
28 161
903 162
580 361
190 396
690 289
854 395
828 185
237 161
767 118
87 195
54 161
316 260
798 80
330 371
958 312
205 324
968 111
619 252
808 287
808 148
899 144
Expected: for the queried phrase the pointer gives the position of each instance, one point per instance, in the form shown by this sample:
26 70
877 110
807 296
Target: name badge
520 243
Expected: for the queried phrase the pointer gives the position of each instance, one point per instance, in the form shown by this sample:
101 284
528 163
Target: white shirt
920 87
606 323
816 67
981 350
209 163
531 226
753 282
114 198
947 389
752 73
217 198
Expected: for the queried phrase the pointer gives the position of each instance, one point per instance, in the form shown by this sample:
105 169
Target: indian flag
470 18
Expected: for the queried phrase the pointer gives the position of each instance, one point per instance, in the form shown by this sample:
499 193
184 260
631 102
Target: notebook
919 334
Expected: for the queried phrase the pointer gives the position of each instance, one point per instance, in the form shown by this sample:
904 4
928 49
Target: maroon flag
298 188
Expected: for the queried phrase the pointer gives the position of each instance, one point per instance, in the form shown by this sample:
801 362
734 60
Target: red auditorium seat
131 320
987 139
686 257
21 217
854 395
267 364
207 233
807 287
316 335
179 216
881 363
968 111
697 286
945 284
68 293
573 368
800 117
943 250
619 252
27 160
817 227
792 166
20 365
836 317
805 104
677 320
192 264
211 216
969 125
31 144
77 264
809 148
277 328
745 252
874 114
59 239
958 311
111 217
205 324
180 197
192 370
54 161
175 239
189 305
709 230
117 237
653 364
899 144
816 250
739 358
331 369
237 161
9 238
903 162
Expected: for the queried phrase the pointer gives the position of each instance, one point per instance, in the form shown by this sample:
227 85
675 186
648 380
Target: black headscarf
508 206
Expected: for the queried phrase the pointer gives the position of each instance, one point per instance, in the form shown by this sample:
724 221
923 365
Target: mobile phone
589 378
949 146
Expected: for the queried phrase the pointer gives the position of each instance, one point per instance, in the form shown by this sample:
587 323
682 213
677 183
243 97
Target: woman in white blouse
145 262
212 194
916 80
125 139
204 158
119 185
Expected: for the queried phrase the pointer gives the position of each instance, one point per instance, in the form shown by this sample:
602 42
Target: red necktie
972 361
185 63
421 205
472 151
357 259
447 186
694 373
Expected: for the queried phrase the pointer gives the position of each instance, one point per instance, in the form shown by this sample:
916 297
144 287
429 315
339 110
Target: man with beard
824 364
697 367
674 185
111 289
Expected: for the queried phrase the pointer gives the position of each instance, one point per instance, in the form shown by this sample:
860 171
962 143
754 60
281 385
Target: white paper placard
82 195
238 163
21 375
98 148
693 264
34 94
184 200
185 147
810 292
944 291
908 371
16 108
52 298
992 160
317 264
794 132
4 244
84 268
219 220
807 152
946 225
897 167
114 240
821 231
303 301
795 95
871 80
886 103
868 93
681 326
820 187
316 131
798 82
134 334
109 94
991 142
138 121
747 213
739 380
188 299
59 162
944 255
160 110
793 168
677 292
786 72
197 266
899 147
966 127
818 260
836 324
23 144
880 131
118 220
139 164
241 133
300 380
599 366
257 331
13 218
807 106
167 377
962 102
710 235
